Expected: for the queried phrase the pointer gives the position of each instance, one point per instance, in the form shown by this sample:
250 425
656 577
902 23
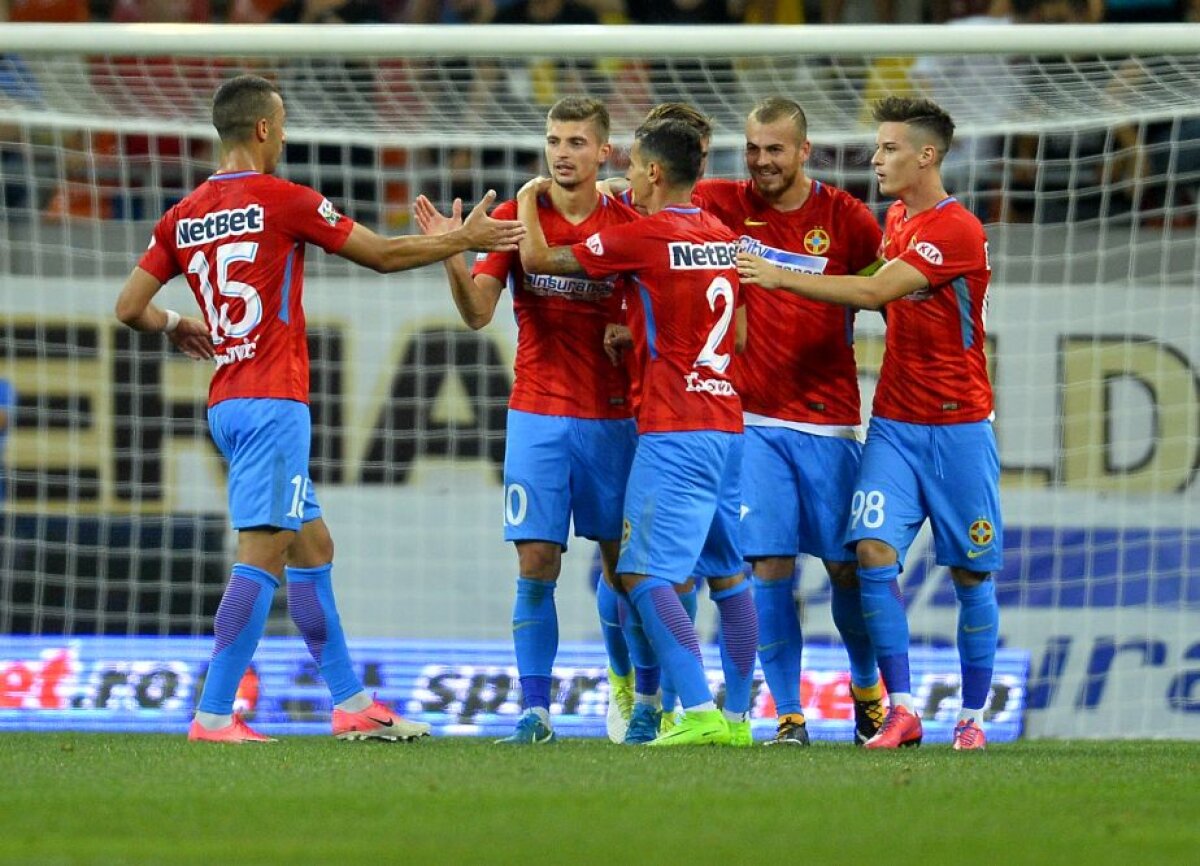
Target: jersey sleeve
157 259
499 264
312 218
946 250
865 234
714 195
612 250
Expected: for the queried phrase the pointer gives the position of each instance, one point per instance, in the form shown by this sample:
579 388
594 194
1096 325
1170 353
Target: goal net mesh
1085 170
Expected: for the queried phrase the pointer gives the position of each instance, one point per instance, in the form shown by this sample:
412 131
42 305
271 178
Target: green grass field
112 799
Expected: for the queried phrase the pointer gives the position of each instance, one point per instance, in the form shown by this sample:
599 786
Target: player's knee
628 582
539 560
720 584
774 568
687 586
610 552
874 554
312 546
843 575
966 578
264 548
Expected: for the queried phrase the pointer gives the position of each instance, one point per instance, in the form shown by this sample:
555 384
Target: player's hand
534 187
192 338
617 338
757 270
432 222
485 233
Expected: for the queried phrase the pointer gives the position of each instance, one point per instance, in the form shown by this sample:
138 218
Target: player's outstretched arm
476 297
537 257
388 255
894 280
136 309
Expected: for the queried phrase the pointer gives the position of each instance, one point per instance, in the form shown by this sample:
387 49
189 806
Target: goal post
1079 146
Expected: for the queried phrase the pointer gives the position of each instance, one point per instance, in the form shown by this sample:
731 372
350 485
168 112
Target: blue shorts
682 506
796 490
948 473
266 443
557 469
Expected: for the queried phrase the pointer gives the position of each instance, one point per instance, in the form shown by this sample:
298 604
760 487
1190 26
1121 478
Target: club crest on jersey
928 252
593 244
702 257
981 532
194 231
817 241
328 212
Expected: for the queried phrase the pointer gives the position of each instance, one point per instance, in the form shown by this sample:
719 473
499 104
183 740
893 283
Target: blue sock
780 641
535 637
848 617
646 671
887 624
311 605
240 621
673 637
647 680
669 698
610 629
739 639
978 634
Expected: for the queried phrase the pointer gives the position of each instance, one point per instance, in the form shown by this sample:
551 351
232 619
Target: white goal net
1078 146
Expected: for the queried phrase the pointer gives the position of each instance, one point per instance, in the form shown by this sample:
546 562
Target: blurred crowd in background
585 11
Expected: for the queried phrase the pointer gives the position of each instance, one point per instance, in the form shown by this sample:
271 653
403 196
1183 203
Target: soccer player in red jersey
240 239
651 703
571 434
931 452
682 500
799 386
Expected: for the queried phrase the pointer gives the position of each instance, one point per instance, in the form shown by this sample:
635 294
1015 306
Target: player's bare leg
887 623
356 713
780 642
978 635
535 638
620 666
866 689
670 699
238 626
739 638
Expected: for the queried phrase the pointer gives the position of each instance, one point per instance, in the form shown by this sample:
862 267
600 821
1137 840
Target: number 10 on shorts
867 507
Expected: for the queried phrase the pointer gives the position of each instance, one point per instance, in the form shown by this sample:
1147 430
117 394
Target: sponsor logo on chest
572 288
709 256
194 231
789 261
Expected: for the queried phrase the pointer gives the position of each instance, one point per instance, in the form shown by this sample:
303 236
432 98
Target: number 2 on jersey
709 356
226 255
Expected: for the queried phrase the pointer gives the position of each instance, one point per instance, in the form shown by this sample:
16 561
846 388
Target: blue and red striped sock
239 624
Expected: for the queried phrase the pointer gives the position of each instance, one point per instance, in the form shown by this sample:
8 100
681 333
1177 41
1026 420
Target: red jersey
240 239
561 367
681 307
934 368
799 359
